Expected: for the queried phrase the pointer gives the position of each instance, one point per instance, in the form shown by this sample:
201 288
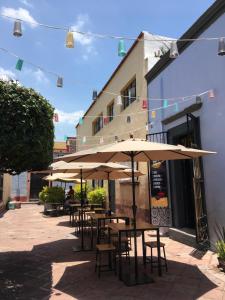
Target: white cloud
38 75
26 3
19 13
81 22
84 40
6 74
69 117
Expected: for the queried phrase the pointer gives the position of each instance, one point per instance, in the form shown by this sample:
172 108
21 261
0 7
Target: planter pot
221 264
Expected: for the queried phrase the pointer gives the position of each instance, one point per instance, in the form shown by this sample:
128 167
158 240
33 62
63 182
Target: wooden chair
110 250
153 245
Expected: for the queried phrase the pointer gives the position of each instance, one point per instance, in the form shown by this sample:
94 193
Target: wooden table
103 217
140 227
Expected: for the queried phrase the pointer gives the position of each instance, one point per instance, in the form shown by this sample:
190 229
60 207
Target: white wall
198 69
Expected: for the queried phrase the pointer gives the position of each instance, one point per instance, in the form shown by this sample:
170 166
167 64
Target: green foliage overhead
97 196
53 194
26 129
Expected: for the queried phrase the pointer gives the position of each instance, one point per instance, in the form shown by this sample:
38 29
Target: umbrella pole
109 193
82 204
134 207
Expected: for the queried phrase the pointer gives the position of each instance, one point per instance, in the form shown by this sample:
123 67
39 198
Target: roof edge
202 23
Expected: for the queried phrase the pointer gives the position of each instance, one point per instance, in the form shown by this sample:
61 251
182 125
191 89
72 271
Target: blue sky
90 63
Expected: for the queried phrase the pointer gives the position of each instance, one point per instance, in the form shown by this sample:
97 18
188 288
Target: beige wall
134 66
6 189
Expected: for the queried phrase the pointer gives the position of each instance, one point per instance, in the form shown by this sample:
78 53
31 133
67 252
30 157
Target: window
97 124
129 94
110 111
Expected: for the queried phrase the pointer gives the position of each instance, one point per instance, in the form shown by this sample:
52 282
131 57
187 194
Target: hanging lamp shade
19 64
174 50
81 122
121 48
145 104
94 95
165 103
119 100
60 82
69 40
17 30
221 47
128 119
211 94
153 114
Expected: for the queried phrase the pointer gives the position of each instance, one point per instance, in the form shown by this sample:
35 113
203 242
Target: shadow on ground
53 268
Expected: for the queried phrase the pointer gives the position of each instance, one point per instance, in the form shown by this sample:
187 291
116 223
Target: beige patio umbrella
61 177
135 150
111 175
83 169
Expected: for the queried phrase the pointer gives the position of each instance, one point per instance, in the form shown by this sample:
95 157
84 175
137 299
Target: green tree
26 129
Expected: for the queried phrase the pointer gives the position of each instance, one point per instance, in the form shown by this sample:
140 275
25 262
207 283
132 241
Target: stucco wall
198 69
135 65
6 190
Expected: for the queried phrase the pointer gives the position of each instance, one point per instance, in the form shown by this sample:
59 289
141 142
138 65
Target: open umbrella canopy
114 174
142 150
73 177
87 167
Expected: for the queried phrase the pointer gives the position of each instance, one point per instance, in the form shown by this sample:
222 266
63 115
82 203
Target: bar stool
109 249
152 245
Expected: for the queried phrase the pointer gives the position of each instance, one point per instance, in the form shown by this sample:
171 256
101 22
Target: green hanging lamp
121 48
19 64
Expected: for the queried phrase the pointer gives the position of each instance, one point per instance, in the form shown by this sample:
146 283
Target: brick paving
36 262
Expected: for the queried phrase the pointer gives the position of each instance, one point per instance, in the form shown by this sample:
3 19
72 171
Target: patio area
37 262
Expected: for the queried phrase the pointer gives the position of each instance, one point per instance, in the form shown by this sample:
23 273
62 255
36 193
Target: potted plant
97 196
51 195
220 246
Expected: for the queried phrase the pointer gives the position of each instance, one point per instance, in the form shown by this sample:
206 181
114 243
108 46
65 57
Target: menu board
159 194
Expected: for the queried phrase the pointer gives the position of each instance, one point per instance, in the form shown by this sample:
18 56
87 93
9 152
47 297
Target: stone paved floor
36 262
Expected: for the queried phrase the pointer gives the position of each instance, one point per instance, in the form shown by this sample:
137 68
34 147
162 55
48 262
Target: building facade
119 111
196 189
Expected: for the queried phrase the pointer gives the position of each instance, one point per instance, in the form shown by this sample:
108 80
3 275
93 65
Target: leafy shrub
220 244
53 194
220 249
97 196
77 191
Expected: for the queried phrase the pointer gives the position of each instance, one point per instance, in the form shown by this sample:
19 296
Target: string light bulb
119 100
211 94
173 50
17 30
176 107
84 139
81 121
69 40
19 64
59 82
101 141
221 46
153 114
165 103
94 95
121 48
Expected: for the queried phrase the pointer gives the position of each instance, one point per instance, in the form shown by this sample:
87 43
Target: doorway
183 202
187 182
